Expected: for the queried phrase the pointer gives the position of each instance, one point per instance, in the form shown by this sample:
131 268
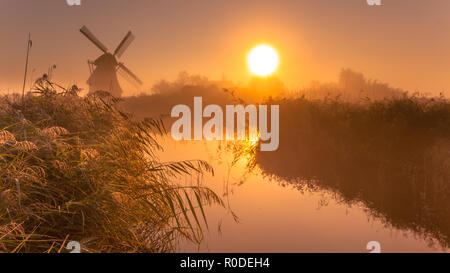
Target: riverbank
78 169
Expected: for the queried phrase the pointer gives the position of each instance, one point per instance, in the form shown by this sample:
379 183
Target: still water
267 214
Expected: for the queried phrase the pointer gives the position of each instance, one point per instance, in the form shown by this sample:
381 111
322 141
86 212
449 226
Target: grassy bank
78 169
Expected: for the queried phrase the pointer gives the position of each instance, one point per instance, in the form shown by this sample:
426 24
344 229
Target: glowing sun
262 60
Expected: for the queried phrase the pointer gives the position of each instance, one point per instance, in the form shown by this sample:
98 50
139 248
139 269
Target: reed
79 169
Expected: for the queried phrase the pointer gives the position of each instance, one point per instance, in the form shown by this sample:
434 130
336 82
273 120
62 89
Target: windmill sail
124 44
93 39
128 74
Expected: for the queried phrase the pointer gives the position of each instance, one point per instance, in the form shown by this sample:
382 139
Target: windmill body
104 76
104 69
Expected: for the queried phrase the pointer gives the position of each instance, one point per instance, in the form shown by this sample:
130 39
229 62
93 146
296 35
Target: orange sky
405 43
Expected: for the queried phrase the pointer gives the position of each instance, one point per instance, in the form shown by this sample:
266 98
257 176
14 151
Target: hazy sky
404 42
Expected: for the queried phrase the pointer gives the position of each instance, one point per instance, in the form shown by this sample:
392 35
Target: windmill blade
124 44
128 74
93 39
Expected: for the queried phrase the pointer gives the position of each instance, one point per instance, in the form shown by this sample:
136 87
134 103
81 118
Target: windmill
105 68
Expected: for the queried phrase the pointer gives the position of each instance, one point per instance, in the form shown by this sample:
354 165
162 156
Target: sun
262 60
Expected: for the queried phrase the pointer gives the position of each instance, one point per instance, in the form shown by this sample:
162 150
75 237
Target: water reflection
399 174
270 208
381 166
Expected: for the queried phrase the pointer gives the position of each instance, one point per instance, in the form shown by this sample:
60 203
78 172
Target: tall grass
79 169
